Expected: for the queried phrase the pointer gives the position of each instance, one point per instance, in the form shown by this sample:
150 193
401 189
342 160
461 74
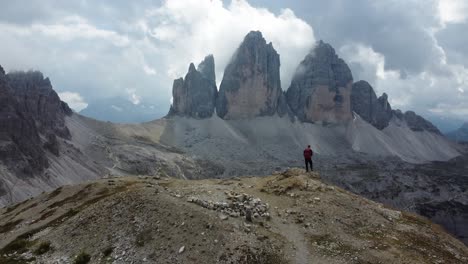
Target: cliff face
364 102
195 96
32 117
321 87
251 83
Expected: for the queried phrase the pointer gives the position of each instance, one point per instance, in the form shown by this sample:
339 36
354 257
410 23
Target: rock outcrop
195 96
31 118
364 102
251 83
321 87
37 98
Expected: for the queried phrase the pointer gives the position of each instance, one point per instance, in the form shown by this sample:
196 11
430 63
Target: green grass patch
54 193
107 251
81 194
82 258
43 248
9 226
46 215
19 245
13 207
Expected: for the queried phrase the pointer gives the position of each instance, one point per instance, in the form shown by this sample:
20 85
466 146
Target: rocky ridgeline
238 205
378 112
322 89
32 117
195 96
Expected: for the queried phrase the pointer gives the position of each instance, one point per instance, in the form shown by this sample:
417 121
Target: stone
195 95
364 102
251 83
181 249
223 216
321 87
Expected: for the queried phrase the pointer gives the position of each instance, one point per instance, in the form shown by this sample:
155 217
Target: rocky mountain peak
251 83
364 102
38 99
191 68
32 117
195 96
207 68
321 87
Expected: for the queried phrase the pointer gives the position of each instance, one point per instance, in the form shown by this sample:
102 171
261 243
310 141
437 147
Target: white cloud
133 97
453 11
148 70
74 100
116 108
191 29
421 92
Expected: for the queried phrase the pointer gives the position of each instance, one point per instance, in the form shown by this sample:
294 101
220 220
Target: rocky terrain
289 217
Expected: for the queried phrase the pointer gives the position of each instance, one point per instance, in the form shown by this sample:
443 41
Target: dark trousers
307 163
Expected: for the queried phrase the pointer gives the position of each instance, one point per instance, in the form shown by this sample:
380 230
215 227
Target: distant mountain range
459 135
121 110
444 123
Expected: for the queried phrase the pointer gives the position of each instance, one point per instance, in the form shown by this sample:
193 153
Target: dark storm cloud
396 29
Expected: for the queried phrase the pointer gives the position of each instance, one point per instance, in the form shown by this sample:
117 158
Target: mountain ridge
294 218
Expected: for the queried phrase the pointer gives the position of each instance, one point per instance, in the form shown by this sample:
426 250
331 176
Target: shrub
82 258
107 251
43 248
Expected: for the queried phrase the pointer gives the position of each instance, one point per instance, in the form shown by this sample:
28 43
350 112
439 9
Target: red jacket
308 153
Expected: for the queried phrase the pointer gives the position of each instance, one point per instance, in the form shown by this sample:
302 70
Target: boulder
195 96
321 87
251 83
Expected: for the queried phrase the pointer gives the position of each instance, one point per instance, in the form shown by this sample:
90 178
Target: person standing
308 153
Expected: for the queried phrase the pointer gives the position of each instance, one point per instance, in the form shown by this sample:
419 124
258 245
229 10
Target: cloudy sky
414 50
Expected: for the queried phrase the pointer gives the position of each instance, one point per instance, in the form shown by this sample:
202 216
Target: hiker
308 153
